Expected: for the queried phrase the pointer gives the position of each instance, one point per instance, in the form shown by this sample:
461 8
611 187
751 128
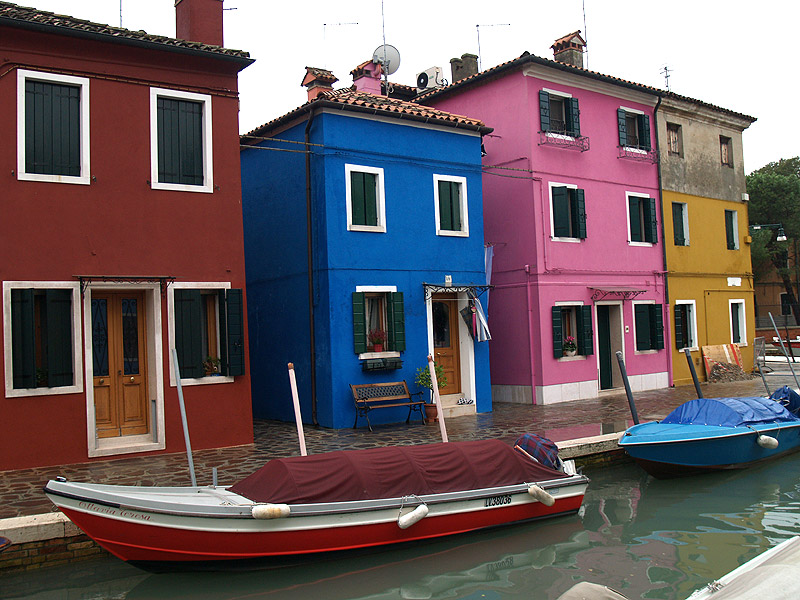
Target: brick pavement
21 491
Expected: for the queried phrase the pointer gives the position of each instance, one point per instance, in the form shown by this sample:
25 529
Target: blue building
363 214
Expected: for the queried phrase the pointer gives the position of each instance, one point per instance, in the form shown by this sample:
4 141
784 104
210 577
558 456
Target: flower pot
570 352
377 347
431 414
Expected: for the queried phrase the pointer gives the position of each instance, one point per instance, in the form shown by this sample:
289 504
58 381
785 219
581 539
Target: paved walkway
21 491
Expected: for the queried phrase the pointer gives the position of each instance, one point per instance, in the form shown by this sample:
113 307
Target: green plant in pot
423 379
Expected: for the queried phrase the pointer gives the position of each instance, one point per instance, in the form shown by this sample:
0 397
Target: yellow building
707 252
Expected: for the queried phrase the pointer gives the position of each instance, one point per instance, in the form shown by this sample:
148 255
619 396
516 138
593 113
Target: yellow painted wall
701 272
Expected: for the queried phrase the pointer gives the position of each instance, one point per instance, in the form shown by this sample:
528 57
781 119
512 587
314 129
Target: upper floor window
649 325
366 206
685 324
732 229
450 194
674 139
726 151
642 219
180 141
559 113
634 128
568 212
680 223
52 127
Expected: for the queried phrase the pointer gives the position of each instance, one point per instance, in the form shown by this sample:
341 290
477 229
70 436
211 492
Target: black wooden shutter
585 333
643 327
544 110
729 233
573 118
234 332
58 306
558 333
397 322
677 224
681 326
52 129
644 132
359 323
635 217
579 214
23 339
651 223
736 329
656 327
188 332
621 125
561 212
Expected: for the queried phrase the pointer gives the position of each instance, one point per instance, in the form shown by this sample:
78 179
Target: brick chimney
318 81
367 77
569 49
463 67
199 21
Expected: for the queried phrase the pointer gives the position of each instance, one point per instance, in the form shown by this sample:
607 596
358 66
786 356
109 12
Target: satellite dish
387 56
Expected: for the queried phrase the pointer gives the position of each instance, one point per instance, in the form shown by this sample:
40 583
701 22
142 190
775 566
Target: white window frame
377 289
693 324
628 196
208 151
198 285
742 320
551 185
77 354
685 216
81 82
464 231
380 197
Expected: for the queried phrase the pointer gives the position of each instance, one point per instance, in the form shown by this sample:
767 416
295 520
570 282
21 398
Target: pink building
572 211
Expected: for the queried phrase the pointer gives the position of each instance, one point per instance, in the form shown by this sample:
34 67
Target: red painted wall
119 226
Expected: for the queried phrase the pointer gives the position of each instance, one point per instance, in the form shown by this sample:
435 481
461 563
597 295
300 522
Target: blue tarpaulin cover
730 412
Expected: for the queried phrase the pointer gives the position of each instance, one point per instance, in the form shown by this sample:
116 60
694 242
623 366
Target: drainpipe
311 331
531 348
663 240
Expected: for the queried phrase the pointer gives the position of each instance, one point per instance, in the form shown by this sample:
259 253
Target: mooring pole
628 392
688 354
183 416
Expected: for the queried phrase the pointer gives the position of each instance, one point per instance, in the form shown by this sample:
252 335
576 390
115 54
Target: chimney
367 77
463 67
318 81
199 21
569 49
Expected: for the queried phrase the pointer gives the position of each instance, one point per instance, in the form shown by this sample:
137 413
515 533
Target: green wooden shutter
641 313
188 332
736 331
681 326
585 332
233 339
357 198
370 199
561 212
544 110
573 116
58 306
656 327
644 132
635 217
579 214
651 220
730 238
448 207
23 339
455 205
623 130
397 322
359 323
558 333
52 128
179 124
677 224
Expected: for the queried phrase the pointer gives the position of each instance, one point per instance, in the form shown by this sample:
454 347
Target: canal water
642 537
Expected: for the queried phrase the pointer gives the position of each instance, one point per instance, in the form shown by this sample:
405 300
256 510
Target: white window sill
79 180
211 379
560 136
636 150
367 228
387 354
181 187
692 349
43 391
450 233
572 358
569 240
641 244
641 352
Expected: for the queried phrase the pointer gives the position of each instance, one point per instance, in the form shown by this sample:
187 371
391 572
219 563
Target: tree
774 191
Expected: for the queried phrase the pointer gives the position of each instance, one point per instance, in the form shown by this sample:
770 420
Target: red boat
294 509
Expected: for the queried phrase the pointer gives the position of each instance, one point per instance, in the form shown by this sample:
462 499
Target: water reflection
645 537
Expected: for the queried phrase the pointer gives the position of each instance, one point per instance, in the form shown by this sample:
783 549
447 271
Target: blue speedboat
712 434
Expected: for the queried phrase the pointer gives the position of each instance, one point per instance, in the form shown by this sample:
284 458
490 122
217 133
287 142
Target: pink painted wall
531 271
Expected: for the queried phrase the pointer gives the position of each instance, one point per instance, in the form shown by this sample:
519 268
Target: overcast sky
738 55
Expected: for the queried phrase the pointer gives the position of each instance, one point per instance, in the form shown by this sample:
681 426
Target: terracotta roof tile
22 16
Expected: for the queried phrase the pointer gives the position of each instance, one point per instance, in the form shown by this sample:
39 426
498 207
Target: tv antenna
665 71
478 30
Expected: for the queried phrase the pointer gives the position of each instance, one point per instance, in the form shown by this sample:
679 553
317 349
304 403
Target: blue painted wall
408 254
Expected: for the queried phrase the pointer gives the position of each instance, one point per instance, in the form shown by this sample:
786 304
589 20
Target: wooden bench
369 396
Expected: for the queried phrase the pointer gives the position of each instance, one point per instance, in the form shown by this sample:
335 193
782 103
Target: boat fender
541 495
270 511
407 520
767 441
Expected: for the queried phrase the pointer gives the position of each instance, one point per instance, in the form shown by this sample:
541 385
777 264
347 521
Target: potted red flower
377 337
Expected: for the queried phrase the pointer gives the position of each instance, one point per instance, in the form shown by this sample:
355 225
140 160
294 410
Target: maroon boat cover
391 472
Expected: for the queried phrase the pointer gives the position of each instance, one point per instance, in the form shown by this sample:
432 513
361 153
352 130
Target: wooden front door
445 340
120 365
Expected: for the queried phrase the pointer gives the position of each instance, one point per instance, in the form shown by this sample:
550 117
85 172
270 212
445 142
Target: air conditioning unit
429 79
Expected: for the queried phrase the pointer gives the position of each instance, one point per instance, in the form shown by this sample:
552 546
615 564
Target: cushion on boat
540 448
391 472
730 412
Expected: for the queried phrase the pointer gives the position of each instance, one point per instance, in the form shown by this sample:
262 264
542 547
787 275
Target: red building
121 238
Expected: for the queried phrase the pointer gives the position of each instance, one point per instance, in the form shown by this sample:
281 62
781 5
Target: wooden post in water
297 416
628 391
436 399
688 354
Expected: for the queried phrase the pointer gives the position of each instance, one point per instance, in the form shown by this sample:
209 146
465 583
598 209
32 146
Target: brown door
445 340
119 359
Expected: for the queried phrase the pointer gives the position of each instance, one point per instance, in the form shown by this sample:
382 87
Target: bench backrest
395 390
